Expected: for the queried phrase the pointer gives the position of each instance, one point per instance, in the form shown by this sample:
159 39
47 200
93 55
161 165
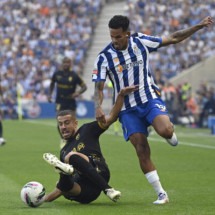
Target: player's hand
100 116
127 90
207 21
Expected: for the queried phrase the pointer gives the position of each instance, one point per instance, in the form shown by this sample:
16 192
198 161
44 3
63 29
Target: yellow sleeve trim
101 126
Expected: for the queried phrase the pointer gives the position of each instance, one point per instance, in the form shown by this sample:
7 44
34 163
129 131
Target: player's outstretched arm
56 193
181 35
113 115
98 97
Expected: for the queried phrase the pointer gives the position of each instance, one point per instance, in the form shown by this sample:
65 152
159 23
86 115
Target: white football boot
173 141
2 141
114 195
162 199
60 167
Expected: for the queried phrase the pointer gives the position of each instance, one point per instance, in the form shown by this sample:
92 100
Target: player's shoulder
95 124
58 73
73 73
140 35
91 128
145 37
88 125
106 49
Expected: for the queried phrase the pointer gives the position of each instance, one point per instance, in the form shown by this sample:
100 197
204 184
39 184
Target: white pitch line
150 138
180 142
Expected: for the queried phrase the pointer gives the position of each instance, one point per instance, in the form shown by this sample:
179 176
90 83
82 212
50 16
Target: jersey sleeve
100 69
151 42
96 129
80 81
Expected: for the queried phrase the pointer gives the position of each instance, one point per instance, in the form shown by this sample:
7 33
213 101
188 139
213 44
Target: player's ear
76 124
128 34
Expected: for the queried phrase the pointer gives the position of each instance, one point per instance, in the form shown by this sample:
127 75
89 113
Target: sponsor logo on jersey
120 68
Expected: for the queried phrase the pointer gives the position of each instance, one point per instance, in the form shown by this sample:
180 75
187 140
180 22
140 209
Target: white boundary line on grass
150 138
180 143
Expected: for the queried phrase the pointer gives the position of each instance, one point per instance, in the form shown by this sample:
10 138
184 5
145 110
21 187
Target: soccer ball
32 194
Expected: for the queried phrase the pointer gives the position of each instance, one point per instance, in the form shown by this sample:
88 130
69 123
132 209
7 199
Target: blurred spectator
37 34
156 17
208 109
192 110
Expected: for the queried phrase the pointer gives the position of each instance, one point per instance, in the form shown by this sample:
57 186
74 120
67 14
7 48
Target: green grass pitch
187 172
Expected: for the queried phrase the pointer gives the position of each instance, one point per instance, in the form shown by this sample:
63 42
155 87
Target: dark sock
89 171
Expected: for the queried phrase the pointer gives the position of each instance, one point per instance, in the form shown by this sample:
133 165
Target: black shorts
89 190
70 105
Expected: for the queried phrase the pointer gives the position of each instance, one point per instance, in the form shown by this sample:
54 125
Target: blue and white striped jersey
129 67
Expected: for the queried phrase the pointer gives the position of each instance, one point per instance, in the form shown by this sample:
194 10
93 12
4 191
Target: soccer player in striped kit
126 62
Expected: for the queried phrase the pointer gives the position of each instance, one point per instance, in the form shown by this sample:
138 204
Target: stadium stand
36 34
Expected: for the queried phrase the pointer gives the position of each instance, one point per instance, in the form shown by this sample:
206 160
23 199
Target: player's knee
166 131
74 159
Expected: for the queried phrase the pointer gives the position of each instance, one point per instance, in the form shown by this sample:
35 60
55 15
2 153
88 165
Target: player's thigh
162 124
89 191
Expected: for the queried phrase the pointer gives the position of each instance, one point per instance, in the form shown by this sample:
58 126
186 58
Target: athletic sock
154 180
89 171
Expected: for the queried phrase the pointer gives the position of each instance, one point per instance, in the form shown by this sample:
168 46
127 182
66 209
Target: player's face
66 64
67 125
119 38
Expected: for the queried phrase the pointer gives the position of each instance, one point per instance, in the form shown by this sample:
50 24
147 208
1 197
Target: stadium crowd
161 17
36 35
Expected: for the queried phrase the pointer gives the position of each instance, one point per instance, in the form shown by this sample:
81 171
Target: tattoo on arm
185 33
98 95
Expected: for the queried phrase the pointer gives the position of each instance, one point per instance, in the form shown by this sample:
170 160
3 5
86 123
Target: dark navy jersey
85 141
67 82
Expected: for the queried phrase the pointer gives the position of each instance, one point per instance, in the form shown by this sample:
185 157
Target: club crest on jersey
161 107
80 146
70 78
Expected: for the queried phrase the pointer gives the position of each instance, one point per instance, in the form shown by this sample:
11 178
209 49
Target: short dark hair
119 21
64 113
